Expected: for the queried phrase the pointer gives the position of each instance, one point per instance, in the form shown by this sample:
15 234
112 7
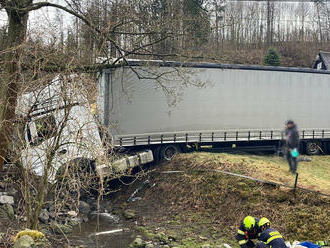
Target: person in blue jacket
269 237
248 230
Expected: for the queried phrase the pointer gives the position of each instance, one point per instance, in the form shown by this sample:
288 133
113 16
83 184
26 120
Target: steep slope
200 204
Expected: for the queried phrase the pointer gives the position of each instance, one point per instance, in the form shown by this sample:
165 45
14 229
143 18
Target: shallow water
84 234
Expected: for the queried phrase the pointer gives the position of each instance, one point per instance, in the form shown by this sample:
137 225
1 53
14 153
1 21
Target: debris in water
136 199
107 216
107 232
145 183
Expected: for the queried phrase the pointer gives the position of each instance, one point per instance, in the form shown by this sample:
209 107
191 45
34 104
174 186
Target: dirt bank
207 206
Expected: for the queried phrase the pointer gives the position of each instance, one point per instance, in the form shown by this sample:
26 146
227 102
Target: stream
107 231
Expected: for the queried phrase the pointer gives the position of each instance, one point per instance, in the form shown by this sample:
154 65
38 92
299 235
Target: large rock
162 237
44 216
84 207
138 243
61 228
6 199
24 242
7 212
129 214
149 245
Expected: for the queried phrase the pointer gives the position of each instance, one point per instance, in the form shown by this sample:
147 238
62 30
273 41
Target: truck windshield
46 128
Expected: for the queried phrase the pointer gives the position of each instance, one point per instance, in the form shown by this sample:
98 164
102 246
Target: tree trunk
17 29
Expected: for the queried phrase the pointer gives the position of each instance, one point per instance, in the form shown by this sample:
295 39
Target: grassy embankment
206 207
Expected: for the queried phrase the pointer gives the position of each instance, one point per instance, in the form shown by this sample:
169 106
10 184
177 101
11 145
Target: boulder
149 244
7 212
61 228
24 242
12 191
138 243
44 216
129 214
84 207
206 246
6 199
163 239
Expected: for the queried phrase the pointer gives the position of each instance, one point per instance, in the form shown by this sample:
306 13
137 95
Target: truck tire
313 148
156 153
168 151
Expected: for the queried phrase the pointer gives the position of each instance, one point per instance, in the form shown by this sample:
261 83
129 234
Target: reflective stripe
242 242
240 232
274 233
272 238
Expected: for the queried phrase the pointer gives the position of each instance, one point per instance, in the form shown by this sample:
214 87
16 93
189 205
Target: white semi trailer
161 108
167 106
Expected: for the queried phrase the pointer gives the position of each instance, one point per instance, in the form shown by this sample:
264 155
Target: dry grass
202 202
313 175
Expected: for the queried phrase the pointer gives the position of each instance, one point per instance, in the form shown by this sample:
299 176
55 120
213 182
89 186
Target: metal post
295 183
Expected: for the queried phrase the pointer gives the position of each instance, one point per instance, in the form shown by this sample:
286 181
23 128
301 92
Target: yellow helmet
263 221
249 222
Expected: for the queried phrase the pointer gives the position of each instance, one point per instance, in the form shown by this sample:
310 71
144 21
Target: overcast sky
45 20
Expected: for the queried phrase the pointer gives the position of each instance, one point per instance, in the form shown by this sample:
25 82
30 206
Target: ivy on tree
272 58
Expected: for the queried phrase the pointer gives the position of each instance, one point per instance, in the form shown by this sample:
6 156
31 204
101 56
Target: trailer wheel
156 153
167 152
313 148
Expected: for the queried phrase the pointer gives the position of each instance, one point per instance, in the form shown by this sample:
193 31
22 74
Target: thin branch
40 5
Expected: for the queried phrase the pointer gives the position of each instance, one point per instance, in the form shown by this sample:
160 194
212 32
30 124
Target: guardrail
213 136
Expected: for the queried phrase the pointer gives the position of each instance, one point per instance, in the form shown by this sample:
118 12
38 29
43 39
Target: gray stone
150 246
44 216
5 199
12 192
206 246
163 239
7 212
138 243
129 214
84 207
61 228
72 214
24 242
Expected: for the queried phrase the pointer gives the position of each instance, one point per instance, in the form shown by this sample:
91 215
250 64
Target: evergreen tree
196 22
272 58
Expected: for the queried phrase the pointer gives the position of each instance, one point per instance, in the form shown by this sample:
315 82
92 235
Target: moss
145 232
36 235
202 202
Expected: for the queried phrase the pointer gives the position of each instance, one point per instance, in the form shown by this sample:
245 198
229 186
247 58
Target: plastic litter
309 244
294 153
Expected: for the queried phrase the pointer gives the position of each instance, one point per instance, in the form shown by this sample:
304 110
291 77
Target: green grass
202 206
313 175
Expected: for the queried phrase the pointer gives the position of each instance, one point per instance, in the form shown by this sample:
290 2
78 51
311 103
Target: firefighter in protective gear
269 237
248 230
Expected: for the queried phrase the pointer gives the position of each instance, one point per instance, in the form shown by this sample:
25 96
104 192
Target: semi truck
169 106
155 109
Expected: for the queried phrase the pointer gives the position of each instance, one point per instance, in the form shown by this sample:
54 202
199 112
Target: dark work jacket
292 137
272 238
244 237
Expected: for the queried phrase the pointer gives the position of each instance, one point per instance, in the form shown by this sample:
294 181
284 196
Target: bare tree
108 34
